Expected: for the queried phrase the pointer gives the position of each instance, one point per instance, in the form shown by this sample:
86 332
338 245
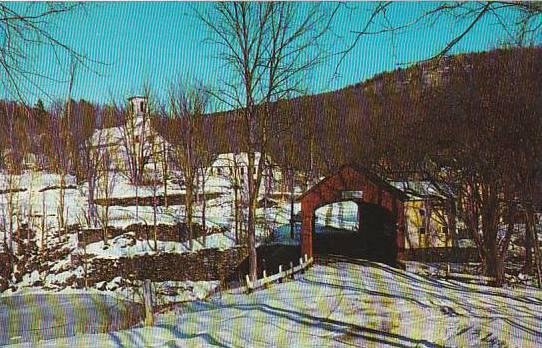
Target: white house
234 167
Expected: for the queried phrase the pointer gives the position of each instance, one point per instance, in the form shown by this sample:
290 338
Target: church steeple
138 105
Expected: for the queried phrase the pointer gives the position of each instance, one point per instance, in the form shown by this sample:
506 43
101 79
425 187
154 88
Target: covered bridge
380 214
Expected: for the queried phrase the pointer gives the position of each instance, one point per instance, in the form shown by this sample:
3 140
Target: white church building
134 138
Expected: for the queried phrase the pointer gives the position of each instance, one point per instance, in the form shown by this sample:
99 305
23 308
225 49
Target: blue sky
156 43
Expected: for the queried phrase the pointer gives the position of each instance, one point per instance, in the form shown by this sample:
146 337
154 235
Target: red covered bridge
380 236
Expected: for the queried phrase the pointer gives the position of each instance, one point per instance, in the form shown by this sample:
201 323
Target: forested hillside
397 119
391 121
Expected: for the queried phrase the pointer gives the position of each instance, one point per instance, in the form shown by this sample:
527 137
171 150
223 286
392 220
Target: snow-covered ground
343 305
334 305
38 194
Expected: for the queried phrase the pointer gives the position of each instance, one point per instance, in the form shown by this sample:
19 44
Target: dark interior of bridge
374 238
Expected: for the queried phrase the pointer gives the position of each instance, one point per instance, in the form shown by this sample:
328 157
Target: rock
203 265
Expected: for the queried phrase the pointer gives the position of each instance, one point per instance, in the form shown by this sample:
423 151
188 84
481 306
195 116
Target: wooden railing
266 280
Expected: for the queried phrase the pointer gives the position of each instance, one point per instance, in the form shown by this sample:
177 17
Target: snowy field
343 305
38 195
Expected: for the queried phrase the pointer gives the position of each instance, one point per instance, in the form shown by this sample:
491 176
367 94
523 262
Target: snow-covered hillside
343 305
35 199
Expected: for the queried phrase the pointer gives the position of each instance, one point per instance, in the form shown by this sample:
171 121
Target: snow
342 216
42 197
35 202
335 305
59 273
176 292
108 136
417 189
343 305
466 243
241 159
122 246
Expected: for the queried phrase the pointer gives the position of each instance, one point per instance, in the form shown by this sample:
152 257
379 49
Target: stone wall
457 255
171 233
5 271
173 199
202 265
4 265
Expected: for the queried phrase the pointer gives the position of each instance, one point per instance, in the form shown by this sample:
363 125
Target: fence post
249 285
149 319
281 274
292 269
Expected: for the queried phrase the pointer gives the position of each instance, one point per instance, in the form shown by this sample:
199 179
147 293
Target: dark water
35 317
269 258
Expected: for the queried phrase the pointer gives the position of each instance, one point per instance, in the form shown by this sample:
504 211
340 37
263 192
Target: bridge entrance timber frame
356 184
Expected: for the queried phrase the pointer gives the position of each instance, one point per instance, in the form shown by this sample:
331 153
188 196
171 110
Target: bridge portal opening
336 230
357 230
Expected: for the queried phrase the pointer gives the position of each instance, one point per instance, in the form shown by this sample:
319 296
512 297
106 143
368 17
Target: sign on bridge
352 194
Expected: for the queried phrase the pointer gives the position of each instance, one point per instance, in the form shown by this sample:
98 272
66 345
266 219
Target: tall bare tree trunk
61 206
236 211
107 194
267 46
493 265
203 207
90 200
165 174
137 200
189 213
252 202
527 268
11 211
154 208
43 223
536 244
452 221
292 199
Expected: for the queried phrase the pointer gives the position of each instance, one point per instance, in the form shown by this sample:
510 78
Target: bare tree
522 30
137 142
186 107
12 160
60 159
269 48
25 30
106 184
488 173
165 155
206 157
90 153
155 185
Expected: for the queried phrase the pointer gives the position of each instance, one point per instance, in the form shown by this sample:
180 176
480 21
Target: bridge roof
375 179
